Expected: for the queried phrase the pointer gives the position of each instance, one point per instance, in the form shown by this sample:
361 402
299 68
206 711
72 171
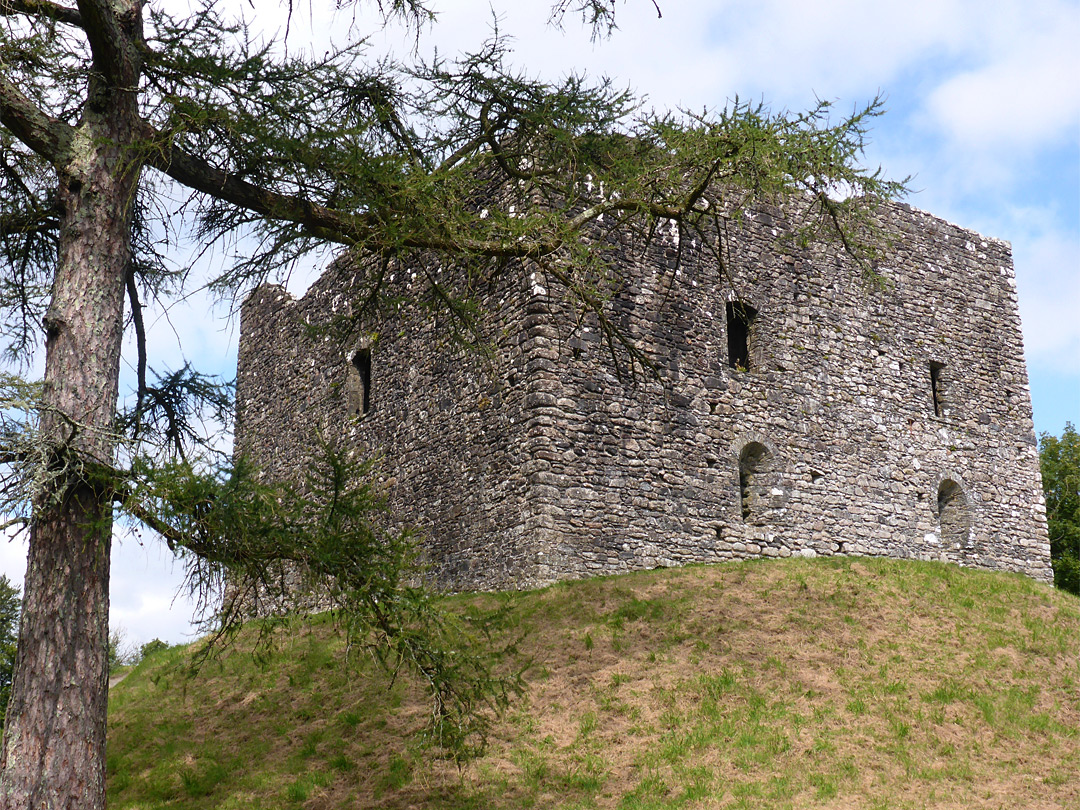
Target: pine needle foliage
120 122
266 551
467 157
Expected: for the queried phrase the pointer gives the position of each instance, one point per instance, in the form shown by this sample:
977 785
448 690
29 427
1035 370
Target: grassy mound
841 683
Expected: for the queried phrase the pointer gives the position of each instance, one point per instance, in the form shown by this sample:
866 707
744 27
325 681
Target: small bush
151 647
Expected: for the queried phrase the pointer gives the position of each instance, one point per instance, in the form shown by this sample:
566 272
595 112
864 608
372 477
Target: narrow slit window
360 384
937 388
740 321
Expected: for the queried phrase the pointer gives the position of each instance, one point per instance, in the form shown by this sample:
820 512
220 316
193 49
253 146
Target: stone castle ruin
794 408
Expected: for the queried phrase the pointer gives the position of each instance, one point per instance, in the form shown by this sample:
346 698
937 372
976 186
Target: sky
983 102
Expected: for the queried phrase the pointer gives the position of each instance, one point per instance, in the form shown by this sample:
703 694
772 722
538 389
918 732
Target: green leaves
1059 461
10 602
258 550
471 160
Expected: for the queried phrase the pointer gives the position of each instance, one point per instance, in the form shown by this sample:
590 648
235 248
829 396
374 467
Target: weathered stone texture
889 418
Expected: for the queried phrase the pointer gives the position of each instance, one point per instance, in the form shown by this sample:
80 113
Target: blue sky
983 106
984 112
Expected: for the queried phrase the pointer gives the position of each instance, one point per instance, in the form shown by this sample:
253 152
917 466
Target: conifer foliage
111 110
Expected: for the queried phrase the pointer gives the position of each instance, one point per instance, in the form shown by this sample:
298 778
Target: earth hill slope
850 683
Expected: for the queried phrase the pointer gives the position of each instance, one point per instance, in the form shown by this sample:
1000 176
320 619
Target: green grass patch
780 684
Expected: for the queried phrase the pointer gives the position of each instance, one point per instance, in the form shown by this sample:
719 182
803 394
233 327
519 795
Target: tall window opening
755 466
937 388
740 321
360 383
954 514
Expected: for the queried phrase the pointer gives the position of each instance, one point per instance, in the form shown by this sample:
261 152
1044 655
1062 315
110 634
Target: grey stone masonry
794 407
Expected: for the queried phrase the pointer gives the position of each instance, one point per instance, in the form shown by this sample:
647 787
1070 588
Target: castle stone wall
874 417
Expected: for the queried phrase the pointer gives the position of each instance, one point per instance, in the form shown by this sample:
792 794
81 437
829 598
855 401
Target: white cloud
13 557
1026 99
145 598
1048 283
835 47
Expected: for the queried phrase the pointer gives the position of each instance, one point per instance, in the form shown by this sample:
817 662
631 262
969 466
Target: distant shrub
120 651
151 647
1059 460
10 602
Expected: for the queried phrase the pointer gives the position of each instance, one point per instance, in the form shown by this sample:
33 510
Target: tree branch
140 345
640 206
42 8
325 223
27 222
197 174
112 39
49 137
368 229
173 538
123 497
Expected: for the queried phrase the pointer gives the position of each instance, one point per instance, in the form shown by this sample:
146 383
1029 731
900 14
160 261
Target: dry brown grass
842 684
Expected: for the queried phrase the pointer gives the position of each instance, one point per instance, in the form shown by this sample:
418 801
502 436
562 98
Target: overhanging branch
42 9
30 222
364 228
140 345
174 539
49 137
321 221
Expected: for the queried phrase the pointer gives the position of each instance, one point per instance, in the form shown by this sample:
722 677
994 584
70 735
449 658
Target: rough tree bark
54 742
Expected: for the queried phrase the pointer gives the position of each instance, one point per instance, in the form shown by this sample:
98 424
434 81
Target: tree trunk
54 749
54 742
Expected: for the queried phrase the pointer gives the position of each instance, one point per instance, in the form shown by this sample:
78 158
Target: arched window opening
740 323
954 514
755 470
359 384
